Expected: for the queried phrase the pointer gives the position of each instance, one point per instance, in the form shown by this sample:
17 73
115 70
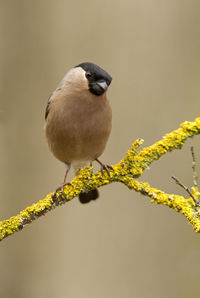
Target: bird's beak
98 87
103 85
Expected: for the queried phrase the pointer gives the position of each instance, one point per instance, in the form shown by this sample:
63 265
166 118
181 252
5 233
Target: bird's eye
88 74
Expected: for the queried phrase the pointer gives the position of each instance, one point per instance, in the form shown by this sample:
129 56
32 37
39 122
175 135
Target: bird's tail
86 197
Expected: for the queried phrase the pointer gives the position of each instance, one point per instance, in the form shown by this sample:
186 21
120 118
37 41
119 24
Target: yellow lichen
129 168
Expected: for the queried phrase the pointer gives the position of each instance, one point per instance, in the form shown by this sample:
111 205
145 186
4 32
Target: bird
78 120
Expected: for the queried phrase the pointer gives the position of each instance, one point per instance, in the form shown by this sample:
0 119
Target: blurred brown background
121 245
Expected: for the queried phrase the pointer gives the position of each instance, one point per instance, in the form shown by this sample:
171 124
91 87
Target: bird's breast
78 128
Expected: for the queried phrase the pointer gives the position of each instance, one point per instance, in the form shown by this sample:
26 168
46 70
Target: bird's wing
49 103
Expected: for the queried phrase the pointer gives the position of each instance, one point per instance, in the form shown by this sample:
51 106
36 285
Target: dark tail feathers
86 197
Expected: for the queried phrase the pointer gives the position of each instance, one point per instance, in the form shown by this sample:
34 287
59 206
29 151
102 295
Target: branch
126 171
195 177
186 189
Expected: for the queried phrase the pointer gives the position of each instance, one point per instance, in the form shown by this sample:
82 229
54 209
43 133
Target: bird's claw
106 167
61 188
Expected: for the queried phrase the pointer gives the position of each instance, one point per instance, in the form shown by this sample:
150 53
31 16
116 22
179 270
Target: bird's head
88 76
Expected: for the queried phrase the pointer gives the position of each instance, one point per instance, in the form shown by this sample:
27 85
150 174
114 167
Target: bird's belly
77 140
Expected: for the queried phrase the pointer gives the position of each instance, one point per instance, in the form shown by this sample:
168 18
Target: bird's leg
66 173
64 181
91 166
104 167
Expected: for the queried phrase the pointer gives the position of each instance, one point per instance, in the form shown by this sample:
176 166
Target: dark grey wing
48 107
49 102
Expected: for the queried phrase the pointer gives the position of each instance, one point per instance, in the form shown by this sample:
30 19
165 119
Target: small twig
186 189
195 177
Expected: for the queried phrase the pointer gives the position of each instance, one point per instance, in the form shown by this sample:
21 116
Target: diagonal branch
129 168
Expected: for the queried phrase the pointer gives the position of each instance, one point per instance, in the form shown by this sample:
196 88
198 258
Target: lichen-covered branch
126 172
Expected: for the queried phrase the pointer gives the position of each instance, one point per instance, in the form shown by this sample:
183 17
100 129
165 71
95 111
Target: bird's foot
104 167
61 188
